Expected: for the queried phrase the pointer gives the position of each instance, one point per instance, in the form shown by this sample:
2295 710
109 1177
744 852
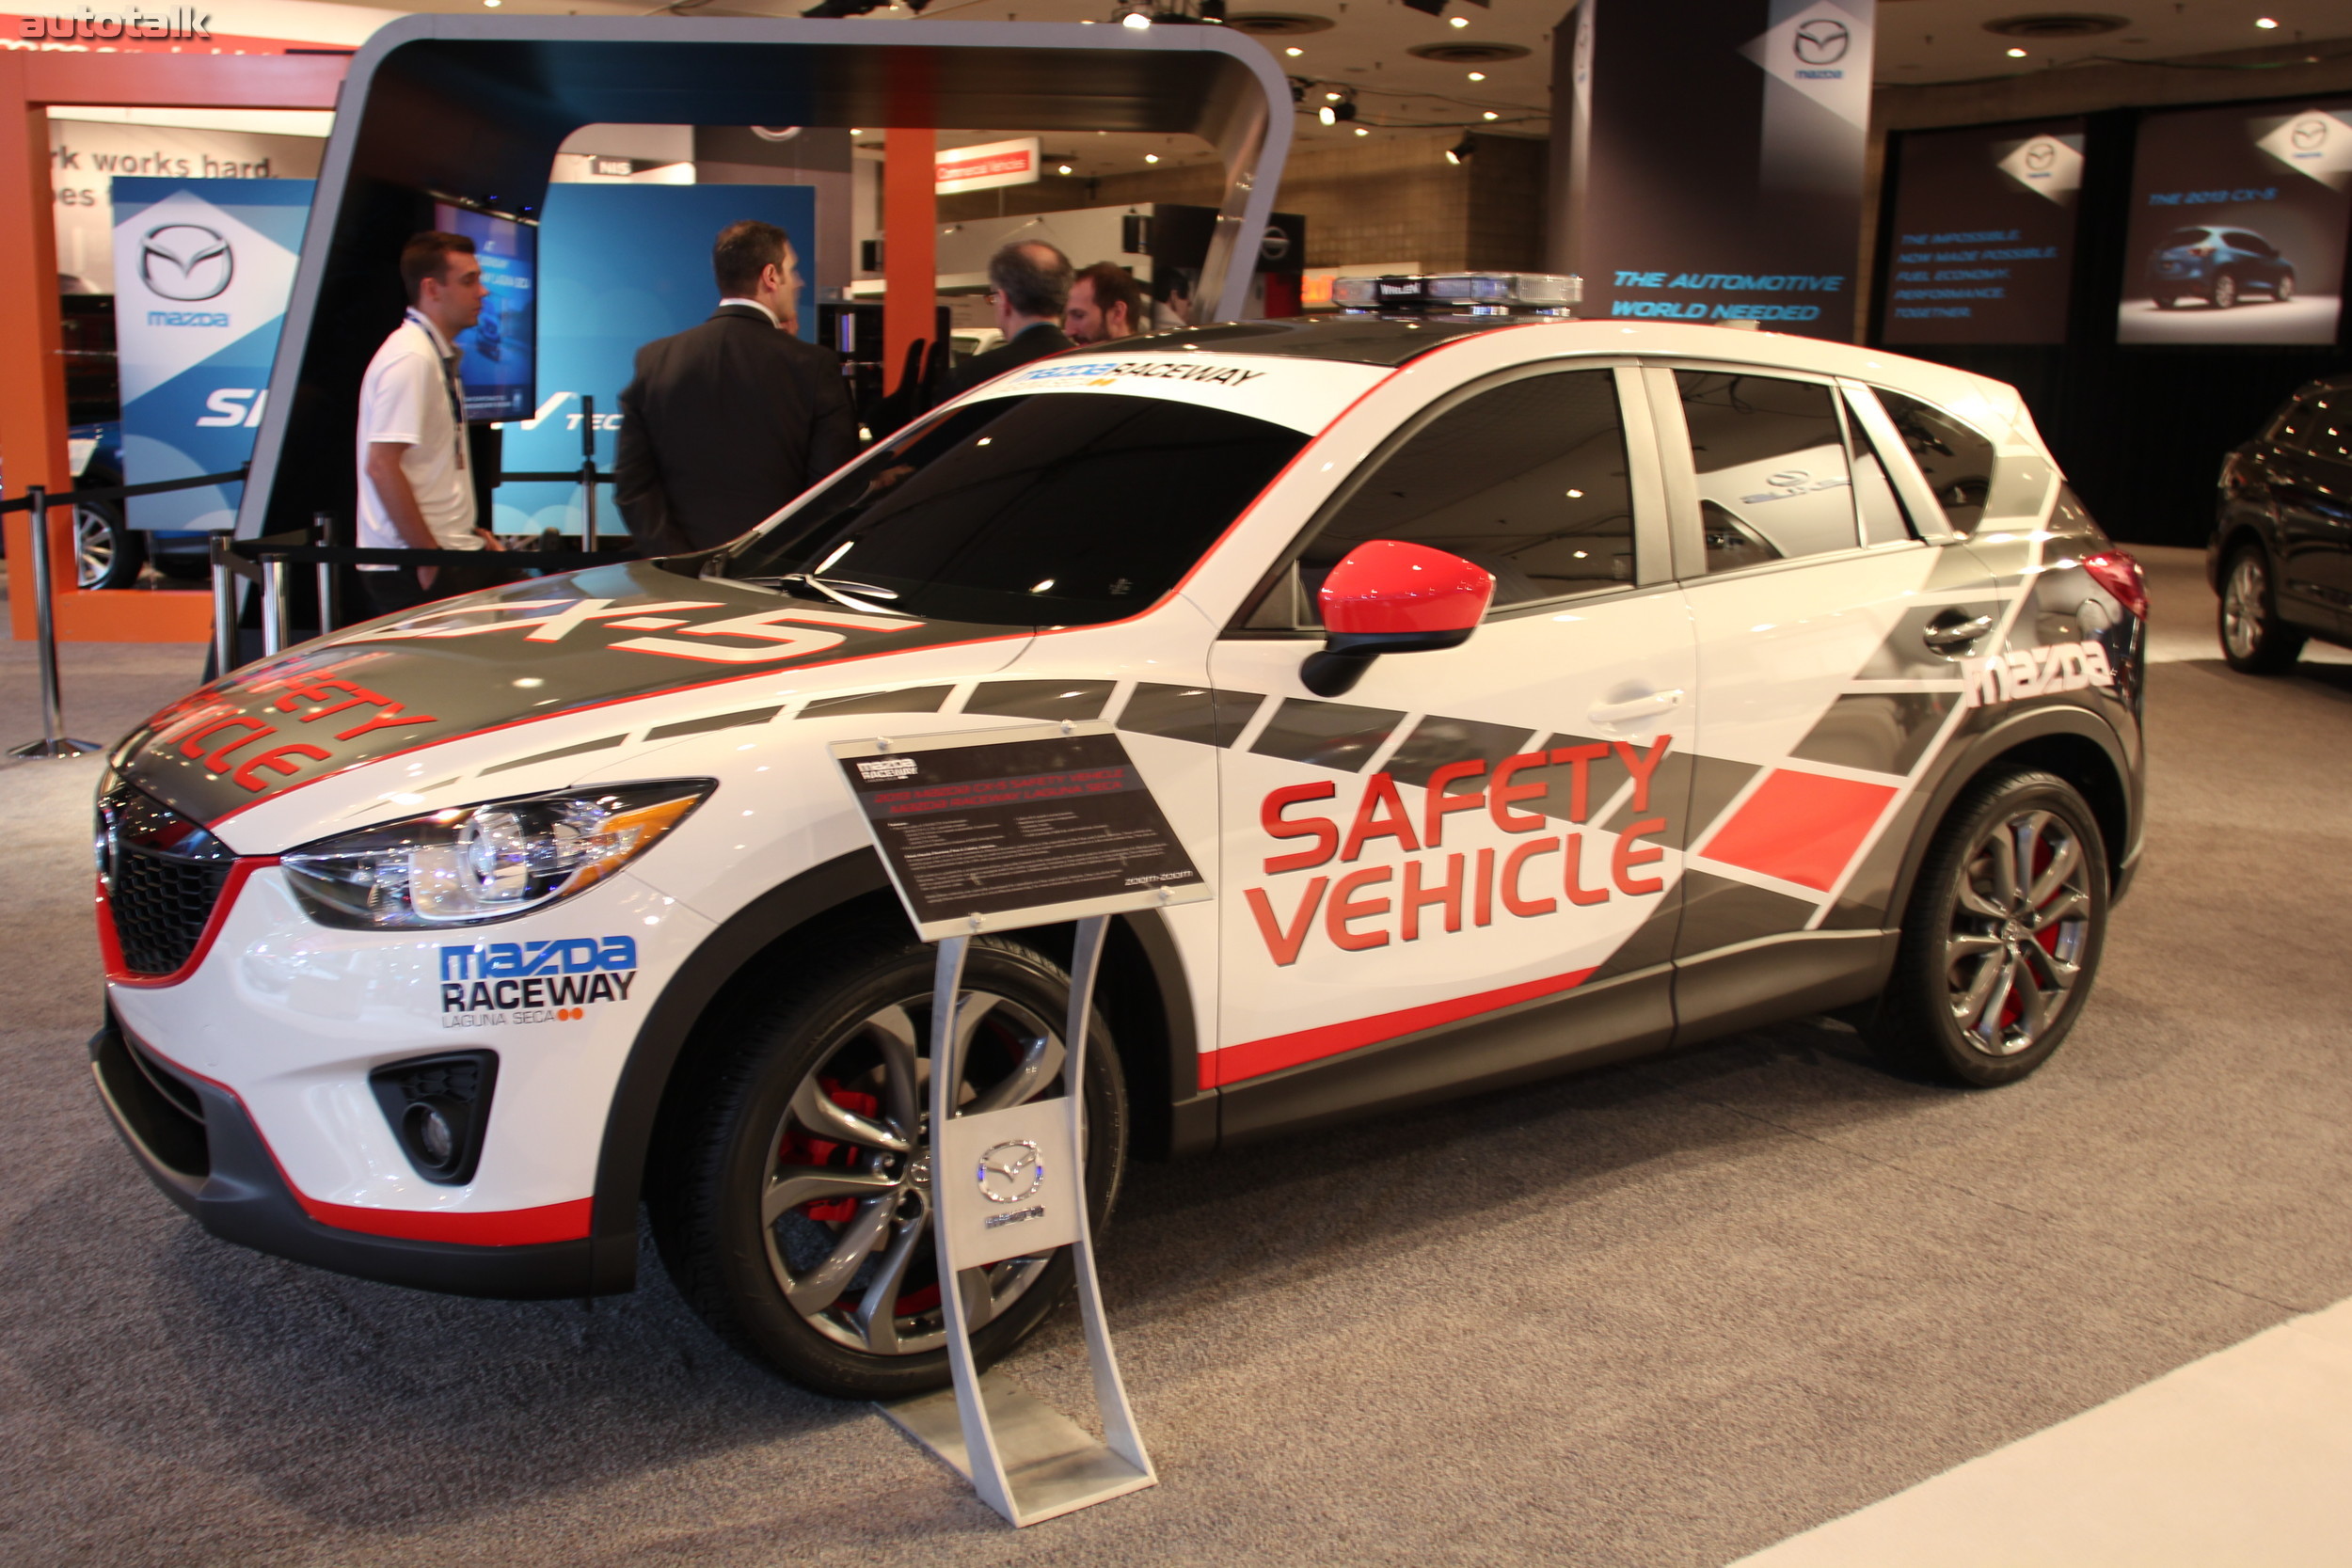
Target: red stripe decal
110 946
1802 828
551 1222
1255 1058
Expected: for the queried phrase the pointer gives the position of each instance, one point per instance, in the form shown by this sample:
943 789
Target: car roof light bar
1477 293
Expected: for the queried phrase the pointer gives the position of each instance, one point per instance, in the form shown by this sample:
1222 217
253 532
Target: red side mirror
1388 596
1404 595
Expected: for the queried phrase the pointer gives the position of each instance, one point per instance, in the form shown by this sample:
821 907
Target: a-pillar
32 343
909 243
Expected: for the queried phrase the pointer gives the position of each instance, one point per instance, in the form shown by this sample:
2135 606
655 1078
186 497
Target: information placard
1019 827
1984 234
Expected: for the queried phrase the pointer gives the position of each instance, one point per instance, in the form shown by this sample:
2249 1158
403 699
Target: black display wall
2140 429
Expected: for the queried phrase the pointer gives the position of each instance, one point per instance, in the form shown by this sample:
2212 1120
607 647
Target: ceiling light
1461 21
1460 152
1062 168
1491 115
1333 97
1478 75
1361 132
492 3
1137 20
2017 54
2266 22
1293 51
1327 115
1151 157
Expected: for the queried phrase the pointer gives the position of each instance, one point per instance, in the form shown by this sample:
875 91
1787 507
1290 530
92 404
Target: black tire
2225 292
2167 302
1993 970
2283 290
107 552
729 1127
2255 640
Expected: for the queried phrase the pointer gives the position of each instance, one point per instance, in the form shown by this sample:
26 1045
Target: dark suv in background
2281 551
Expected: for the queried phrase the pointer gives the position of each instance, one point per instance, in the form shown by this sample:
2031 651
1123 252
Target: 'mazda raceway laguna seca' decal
528 651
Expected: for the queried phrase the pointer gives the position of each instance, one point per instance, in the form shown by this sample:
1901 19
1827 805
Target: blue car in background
2217 265
107 551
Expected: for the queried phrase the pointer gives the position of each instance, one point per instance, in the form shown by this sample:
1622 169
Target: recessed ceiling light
1491 115
1137 20
1361 132
1477 75
1061 169
1151 157
1461 21
2017 54
2266 21
1293 51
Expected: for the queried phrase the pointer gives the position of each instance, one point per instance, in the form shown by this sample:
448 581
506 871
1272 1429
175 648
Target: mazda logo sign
1011 1172
1273 244
2310 135
1823 41
2041 155
186 261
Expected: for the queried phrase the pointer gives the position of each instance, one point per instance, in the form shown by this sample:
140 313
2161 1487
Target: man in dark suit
1029 283
726 421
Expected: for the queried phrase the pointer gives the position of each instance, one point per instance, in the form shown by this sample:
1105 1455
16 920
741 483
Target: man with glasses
1028 284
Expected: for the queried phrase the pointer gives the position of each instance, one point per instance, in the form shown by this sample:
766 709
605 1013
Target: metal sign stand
1044 1464
52 746
998 829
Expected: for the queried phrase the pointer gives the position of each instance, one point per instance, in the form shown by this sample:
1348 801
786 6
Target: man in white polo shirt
414 492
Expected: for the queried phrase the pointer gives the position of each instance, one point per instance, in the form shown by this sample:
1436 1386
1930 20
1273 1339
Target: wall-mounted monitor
500 351
1983 238
2237 228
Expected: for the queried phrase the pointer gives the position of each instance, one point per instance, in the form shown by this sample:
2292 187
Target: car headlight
490 861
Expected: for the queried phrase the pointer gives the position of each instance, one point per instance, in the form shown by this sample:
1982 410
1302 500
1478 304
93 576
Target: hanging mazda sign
1821 41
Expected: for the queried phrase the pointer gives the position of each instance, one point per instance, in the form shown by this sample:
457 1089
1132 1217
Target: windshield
1047 510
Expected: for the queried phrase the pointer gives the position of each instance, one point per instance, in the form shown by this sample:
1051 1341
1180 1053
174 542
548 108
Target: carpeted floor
1663 1314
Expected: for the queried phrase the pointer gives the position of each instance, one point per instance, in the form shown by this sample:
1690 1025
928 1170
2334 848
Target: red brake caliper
799 1149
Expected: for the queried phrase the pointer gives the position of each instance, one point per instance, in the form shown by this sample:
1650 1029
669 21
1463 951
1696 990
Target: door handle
1637 708
1951 632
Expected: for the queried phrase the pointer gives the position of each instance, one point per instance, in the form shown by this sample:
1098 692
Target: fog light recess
439 1107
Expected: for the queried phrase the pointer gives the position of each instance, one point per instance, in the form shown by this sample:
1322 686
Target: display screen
500 351
2237 228
1984 235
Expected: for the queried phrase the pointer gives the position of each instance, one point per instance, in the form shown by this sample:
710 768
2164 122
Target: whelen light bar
1475 292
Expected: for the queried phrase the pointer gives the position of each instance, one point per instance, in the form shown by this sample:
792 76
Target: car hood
516 655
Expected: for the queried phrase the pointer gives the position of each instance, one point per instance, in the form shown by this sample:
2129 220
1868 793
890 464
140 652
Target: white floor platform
2242 1460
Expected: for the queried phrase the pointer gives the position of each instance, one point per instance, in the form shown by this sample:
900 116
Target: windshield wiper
839 590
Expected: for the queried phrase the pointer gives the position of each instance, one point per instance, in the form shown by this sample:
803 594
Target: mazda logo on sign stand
186 261
1823 41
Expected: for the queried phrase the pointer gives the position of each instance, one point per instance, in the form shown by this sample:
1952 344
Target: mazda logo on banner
186 261
1823 41
2311 133
2041 155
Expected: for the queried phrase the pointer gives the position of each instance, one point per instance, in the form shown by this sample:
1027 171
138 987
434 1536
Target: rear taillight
2200 250
2120 575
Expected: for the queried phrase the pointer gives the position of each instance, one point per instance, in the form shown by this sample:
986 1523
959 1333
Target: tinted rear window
1049 510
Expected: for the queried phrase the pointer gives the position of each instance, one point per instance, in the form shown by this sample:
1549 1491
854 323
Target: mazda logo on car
1788 479
1823 41
2310 135
2041 155
1011 1172
186 261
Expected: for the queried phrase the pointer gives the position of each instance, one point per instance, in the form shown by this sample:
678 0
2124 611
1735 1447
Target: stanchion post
323 529
224 612
273 604
588 473
51 745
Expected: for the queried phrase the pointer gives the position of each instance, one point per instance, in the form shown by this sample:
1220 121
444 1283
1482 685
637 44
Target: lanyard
449 384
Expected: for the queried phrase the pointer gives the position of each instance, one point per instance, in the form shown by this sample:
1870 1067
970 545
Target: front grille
163 873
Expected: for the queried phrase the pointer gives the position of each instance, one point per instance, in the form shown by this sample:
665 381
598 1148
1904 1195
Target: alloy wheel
2242 599
847 1201
2224 291
2018 932
93 547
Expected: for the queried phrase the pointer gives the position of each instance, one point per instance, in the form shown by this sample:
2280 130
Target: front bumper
199 1145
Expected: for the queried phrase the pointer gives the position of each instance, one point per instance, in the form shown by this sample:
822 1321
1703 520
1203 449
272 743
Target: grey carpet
1662 1314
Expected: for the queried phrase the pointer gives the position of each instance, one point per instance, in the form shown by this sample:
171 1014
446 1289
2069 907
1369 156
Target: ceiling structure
1402 69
